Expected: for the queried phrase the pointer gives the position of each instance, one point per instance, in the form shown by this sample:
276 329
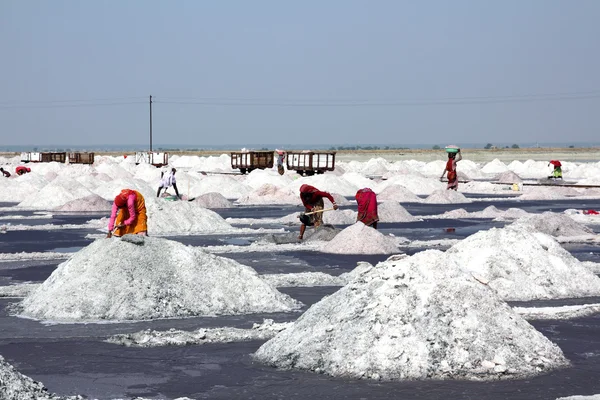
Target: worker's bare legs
302 229
158 193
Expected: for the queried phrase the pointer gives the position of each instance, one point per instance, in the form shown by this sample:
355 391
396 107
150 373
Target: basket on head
452 149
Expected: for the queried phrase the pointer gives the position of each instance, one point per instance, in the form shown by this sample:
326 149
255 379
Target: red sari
367 206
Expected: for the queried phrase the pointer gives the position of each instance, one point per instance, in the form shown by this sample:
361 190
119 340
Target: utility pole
150 123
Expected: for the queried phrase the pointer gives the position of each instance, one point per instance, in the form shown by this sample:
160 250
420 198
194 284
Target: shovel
304 216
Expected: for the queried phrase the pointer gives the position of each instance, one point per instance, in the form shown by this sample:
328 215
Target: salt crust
298 279
112 279
592 397
33 256
421 317
89 203
361 239
555 313
18 290
523 265
446 197
174 337
16 386
553 224
213 200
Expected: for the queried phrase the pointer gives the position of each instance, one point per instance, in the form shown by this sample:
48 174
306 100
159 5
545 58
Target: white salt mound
392 211
55 194
112 279
16 386
446 197
553 224
89 203
269 194
398 193
361 239
509 177
183 217
421 317
522 265
213 200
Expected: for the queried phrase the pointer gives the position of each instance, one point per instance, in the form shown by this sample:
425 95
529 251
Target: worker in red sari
557 172
367 207
21 170
312 198
128 214
451 170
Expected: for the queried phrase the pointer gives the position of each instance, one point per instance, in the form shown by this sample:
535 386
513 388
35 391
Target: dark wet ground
73 359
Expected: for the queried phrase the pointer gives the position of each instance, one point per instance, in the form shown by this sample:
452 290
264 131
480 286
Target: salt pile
183 217
361 239
227 186
446 197
89 203
489 212
113 279
55 194
392 211
553 224
299 279
522 265
16 386
421 317
494 167
213 200
398 193
509 177
269 194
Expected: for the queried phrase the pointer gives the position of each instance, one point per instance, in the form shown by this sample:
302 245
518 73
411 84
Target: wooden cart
311 162
156 159
56 157
248 161
81 158
27 157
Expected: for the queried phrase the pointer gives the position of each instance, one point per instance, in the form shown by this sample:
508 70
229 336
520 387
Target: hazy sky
314 72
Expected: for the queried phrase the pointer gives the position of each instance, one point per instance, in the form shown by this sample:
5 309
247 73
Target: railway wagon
81 158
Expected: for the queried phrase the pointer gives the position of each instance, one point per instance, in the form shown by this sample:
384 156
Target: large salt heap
446 197
421 317
392 211
115 279
523 265
182 218
91 203
553 224
55 194
361 239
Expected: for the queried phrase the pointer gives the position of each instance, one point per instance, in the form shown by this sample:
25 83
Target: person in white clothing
167 181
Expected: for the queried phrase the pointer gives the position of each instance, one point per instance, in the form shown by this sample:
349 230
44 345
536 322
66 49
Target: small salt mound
446 197
416 184
16 386
259 177
398 193
420 317
358 180
213 200
522 265
327 183
113 279
55 194
89 203
361 239
488 212
392 211
509 177
340 217
183 217
553 224
227 186
494 167
269 194
541 193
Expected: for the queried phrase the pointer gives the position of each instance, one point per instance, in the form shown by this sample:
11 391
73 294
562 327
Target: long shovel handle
318 211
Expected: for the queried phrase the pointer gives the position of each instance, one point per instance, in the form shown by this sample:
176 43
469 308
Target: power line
34 106
106 99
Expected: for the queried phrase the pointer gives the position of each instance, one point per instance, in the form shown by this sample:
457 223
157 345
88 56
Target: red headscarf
121 199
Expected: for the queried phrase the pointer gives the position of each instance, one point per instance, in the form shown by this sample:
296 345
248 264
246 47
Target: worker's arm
131 208
443 173
458 157
327 196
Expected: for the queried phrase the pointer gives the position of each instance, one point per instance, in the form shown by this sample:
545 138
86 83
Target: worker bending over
312 198
128 214
367 207
167 181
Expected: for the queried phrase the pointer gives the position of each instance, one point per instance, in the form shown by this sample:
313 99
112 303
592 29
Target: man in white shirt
167 181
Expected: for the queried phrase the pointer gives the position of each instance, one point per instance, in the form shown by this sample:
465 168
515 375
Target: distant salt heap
213 200
397 193
361 239
554 224
494 167
509 177
392 211
489 212
114 279
55 194
446 197
89 203
421 317
16 386
183 217
522 265
269 194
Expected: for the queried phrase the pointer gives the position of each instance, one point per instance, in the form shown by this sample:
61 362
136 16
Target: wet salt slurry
421 317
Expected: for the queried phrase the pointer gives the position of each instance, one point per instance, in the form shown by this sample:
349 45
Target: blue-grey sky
304 72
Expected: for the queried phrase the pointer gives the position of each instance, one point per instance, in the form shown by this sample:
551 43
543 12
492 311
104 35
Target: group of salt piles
433 315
